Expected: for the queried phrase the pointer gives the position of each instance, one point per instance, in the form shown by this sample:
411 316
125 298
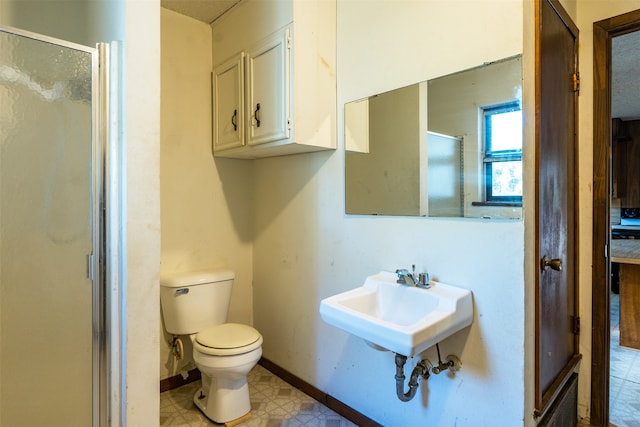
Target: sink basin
399 318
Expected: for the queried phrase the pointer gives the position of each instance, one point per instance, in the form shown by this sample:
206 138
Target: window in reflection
503 152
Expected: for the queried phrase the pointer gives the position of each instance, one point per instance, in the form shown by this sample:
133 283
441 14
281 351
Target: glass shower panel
46 338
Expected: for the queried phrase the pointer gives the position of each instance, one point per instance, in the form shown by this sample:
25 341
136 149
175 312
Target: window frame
497 156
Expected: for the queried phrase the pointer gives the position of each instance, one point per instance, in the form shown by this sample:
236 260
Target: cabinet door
268 90
228 104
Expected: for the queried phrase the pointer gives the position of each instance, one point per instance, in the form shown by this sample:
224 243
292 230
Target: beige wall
62 19
306 248
206 205
142 107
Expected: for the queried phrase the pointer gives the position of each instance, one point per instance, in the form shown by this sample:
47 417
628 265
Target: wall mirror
447 147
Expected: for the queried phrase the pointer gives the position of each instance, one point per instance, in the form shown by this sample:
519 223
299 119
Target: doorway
53 364
601 388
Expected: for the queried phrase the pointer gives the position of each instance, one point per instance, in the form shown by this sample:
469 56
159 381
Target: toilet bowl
225 354
196 304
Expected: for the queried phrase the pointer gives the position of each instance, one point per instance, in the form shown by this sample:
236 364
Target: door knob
555 264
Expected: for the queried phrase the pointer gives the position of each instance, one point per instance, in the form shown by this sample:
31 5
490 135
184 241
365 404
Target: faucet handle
423 280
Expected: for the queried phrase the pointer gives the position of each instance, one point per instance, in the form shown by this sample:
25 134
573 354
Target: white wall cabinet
268 91
274 87
228 104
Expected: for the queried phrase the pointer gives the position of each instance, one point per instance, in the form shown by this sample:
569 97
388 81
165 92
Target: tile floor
624 376
274 403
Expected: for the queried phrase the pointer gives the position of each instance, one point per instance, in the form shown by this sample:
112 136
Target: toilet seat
228 339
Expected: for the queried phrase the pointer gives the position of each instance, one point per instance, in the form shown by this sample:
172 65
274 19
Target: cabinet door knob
255 114
234 120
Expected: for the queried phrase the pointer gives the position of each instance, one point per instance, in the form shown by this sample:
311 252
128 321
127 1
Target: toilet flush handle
182 291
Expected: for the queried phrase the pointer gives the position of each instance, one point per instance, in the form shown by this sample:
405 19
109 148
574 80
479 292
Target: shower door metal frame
106 401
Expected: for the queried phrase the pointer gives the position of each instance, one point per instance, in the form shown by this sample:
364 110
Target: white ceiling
625 61
625 76
202 10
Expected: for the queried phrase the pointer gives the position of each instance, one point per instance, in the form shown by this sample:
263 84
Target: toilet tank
192 301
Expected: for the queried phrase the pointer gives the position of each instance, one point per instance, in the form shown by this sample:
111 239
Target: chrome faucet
405 277
409 278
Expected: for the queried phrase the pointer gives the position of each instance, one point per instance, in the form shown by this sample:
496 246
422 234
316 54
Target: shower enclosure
53 350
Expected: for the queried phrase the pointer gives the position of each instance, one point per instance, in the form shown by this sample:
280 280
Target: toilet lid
228 339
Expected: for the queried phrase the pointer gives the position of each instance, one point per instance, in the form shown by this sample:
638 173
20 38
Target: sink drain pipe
452 364
420 370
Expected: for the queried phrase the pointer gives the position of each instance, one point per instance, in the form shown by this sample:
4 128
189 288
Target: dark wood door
557 322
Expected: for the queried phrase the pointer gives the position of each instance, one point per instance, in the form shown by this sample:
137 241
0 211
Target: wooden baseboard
322 397
177 380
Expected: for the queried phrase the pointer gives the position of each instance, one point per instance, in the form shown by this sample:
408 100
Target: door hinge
576 82
289 41
576 325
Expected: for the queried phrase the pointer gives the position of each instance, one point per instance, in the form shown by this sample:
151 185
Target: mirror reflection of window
503 152
393 163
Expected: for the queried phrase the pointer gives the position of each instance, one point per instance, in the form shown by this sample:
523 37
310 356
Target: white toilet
196 304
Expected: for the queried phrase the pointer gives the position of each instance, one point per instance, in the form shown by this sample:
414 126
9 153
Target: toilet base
224 403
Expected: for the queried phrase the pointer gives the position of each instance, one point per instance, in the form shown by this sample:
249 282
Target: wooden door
557 323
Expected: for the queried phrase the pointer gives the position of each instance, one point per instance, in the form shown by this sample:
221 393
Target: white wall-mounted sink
403 319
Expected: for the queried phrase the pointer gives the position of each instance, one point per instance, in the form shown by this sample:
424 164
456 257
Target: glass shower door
48 301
